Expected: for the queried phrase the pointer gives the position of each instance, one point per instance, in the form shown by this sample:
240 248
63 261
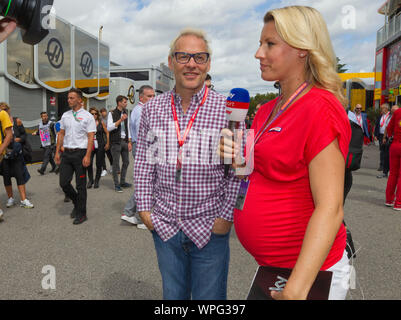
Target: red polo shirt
279 202
394 127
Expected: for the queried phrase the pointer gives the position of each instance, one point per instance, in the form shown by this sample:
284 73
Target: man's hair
77 91
103 110
42 113
120 99
143 88
190 32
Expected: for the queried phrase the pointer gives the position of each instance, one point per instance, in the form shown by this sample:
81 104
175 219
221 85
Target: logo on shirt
276 129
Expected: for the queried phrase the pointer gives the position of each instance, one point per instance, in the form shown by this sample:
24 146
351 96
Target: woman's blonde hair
190 32
304 28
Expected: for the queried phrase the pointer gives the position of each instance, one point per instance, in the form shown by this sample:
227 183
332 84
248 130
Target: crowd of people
287 212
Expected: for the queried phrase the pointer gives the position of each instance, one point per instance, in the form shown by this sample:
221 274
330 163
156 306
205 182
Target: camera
29 16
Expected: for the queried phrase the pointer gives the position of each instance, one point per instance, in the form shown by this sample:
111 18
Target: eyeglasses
93 114
359 109
184 57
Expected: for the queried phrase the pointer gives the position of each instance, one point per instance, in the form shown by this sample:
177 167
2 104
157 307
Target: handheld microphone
237 108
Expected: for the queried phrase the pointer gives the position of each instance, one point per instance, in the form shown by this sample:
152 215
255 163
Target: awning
392 7
382 9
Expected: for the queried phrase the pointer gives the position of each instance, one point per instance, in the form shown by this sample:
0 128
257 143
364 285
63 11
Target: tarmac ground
106 258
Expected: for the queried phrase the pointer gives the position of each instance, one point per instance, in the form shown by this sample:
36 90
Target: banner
53 58
86 54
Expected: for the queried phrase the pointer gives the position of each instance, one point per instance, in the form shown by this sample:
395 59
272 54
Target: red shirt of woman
279 203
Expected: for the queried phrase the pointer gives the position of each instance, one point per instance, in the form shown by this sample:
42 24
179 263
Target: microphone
237 108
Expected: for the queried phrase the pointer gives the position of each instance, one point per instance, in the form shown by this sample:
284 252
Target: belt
73 150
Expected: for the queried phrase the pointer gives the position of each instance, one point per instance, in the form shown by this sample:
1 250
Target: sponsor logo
55 53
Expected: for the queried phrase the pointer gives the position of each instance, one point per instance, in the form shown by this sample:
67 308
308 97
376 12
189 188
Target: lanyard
75 113
267 124
359 119
181 141
384 120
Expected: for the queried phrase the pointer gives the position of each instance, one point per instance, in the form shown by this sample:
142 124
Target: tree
340 66
260 98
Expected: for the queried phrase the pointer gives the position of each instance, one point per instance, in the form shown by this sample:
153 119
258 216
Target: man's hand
57 159
221 226
130 146
86 161
145 216
124 117
7 27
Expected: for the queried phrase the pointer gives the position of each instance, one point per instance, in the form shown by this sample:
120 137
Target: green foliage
258 99
340 66
373 114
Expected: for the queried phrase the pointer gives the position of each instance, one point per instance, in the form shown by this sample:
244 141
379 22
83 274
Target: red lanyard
267 124
181 141
384 120
359 118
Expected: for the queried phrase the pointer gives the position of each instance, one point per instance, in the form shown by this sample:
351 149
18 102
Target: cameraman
7 27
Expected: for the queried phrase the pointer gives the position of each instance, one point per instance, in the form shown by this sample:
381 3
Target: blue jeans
187 270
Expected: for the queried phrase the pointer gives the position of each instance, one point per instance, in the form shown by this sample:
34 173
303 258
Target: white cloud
139 33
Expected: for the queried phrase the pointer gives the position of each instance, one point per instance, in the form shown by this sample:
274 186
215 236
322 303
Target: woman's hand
284 295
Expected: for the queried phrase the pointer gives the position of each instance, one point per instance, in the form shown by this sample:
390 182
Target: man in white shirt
146 93
77 130
120 142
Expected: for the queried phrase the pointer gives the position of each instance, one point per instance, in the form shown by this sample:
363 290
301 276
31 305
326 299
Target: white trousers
340 282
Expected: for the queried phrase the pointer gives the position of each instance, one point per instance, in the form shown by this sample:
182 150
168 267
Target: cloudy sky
139 31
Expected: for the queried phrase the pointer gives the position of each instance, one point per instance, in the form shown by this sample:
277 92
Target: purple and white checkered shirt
203 194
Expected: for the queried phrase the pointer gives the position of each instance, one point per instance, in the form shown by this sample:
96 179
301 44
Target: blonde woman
293 212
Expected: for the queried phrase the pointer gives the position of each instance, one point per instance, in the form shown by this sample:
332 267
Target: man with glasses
182 194
77 130
361 119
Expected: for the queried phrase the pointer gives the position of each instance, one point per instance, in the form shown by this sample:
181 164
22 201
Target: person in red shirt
394 180
293 212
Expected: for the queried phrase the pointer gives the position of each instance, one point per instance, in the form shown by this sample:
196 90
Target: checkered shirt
203 194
